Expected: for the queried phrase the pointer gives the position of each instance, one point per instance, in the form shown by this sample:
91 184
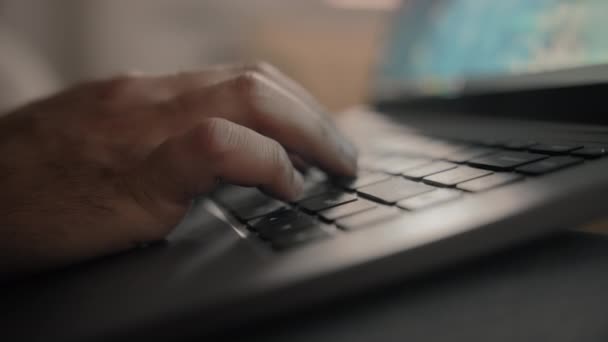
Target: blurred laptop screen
436 43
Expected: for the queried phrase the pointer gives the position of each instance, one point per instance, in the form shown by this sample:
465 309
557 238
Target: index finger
254 101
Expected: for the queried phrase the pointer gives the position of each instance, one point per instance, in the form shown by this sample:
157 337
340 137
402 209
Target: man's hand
107 165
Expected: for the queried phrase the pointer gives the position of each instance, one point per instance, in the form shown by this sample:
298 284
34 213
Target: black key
427 170
315 175
280 222
429 199
491 142
519 144
364 178
246 203
468 154
397 164
258 210
347 209
298 237
369 218
505 161
232 196
327 200
591 152
489 182
315 182
317 189
455 176
549 165
555 148
393 190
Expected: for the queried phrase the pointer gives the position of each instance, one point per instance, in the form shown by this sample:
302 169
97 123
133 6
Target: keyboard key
505 161
315 189
395 143
347 209
364 178
427 170
367 161
555 148
369 218
489 182
314 176
259 209
470 153
549 165
316 183
591 152
280 222
298 237
491 142
233 196
429 199
327 200
439 150
519 144
246 203
393 190
455 176
397 164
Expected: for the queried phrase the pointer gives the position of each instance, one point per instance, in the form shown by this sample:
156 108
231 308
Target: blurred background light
328 46
379 5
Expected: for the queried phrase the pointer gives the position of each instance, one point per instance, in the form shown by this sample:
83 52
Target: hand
110 164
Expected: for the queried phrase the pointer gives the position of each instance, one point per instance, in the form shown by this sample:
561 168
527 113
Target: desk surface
551 290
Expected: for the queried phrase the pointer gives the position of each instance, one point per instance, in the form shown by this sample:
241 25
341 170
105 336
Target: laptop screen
438 44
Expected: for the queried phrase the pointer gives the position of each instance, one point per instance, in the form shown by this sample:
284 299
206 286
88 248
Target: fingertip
349 160
351 168
297 184
290 191
346 154
352 149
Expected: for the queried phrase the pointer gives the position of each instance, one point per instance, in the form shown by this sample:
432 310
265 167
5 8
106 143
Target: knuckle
176 106
181 77
247 83
254 95
117 88
262 67
120 83
250 91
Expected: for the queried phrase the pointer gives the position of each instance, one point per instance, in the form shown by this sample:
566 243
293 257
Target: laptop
486 128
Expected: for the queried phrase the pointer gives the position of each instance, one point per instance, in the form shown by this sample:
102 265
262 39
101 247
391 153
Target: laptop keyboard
395 182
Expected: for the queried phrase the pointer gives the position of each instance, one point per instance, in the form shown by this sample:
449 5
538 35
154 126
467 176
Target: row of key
389 185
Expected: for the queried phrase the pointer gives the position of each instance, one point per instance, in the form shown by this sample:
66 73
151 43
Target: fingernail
349 153
351 148
297 184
